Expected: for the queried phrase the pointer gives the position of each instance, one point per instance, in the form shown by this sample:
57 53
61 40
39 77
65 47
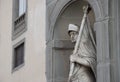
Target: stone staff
85 9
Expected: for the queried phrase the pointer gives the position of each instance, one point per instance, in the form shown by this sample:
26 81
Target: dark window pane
19 55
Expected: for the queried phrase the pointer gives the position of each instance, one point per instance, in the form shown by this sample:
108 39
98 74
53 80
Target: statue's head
73 32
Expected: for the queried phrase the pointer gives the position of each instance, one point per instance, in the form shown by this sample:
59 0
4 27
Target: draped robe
87 52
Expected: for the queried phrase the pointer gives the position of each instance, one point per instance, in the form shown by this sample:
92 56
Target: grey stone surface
103 57
49 64
63 44
114 40
61 64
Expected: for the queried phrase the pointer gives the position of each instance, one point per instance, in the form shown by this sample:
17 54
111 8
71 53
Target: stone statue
85 58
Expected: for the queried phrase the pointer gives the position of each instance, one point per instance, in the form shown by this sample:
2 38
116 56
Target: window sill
17 68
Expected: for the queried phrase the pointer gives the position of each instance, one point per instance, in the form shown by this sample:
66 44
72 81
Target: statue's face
73 36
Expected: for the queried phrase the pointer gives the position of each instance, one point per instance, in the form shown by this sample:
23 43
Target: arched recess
59 46
62 4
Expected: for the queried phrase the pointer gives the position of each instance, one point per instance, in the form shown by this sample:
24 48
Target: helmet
72 27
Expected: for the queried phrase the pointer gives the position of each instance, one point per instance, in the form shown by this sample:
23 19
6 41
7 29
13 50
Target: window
22 7
19 18
18 55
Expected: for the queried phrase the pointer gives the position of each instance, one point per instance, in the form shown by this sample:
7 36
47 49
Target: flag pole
85 9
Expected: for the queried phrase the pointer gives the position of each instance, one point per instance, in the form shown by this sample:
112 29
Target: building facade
35 46
22 41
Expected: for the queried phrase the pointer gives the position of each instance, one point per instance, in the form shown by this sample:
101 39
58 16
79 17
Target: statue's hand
73 58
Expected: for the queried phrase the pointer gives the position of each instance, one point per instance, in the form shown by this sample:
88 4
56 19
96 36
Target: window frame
13 57
19 22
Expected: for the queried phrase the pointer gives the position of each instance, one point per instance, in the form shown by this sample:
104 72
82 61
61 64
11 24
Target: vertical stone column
103 57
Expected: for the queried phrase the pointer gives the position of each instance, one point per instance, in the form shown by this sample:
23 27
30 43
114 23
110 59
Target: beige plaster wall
5 40
34 68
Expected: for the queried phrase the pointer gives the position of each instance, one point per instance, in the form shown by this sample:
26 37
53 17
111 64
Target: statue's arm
81 60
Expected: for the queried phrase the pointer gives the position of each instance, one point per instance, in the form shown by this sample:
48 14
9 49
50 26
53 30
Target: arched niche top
73 13
62 4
